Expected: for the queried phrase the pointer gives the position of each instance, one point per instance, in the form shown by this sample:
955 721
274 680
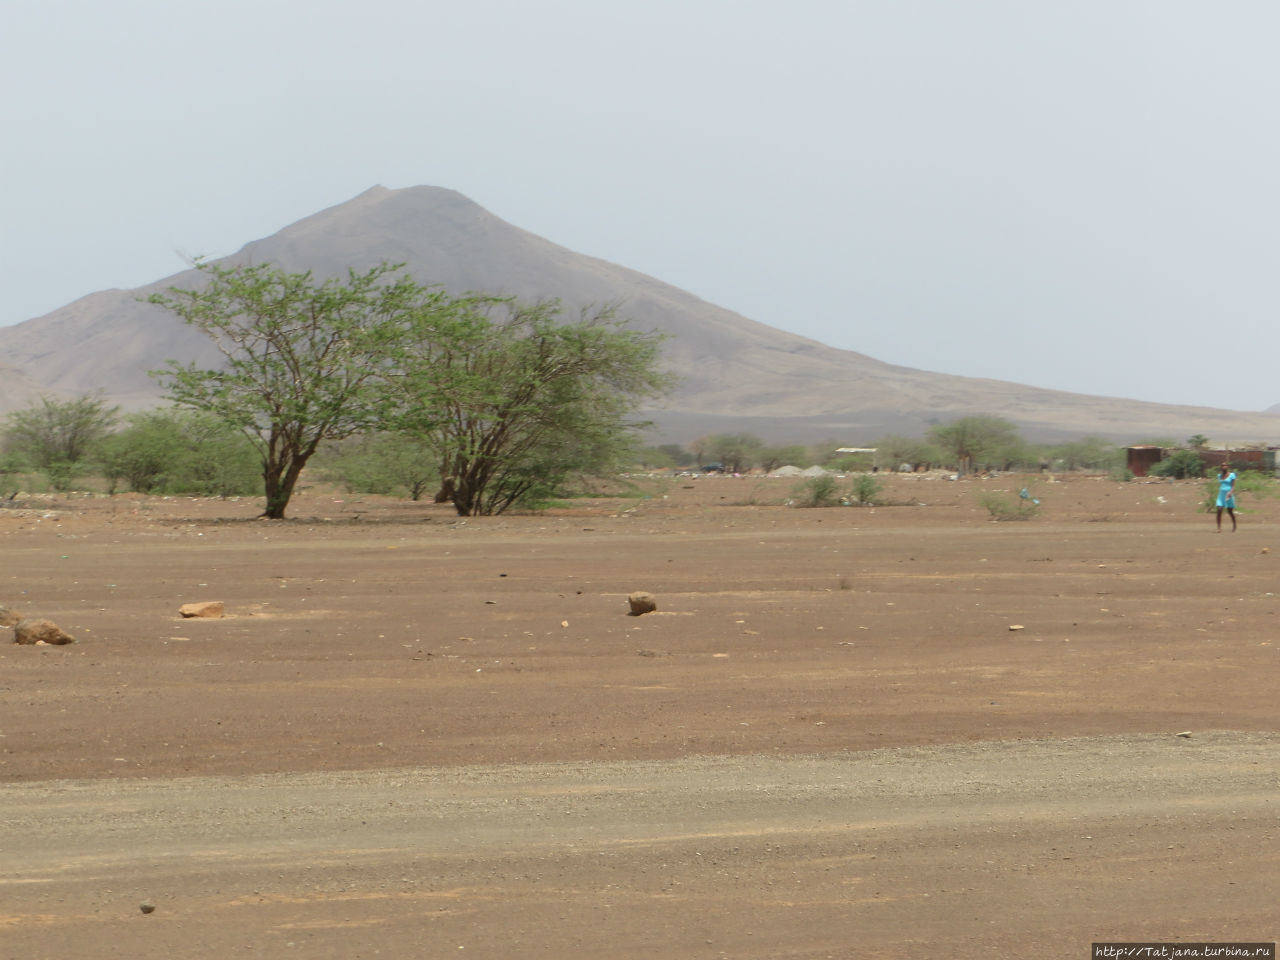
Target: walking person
1226 495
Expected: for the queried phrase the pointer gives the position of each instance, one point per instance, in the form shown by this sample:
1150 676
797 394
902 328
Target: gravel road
936 851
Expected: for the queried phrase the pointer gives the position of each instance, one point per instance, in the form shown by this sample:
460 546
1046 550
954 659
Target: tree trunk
278 483
463 500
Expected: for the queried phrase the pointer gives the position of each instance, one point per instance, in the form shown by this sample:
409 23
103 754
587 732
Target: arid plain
900 731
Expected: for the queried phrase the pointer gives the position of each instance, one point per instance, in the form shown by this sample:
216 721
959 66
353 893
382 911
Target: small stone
641 603
8 617
147 906
205 610
1016 627
33 631
1184 734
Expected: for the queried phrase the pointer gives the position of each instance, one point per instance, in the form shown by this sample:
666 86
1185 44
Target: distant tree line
487 435
967 444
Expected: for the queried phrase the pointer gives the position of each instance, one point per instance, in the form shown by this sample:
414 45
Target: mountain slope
735 373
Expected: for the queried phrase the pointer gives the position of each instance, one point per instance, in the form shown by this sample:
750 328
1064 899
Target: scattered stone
641 603
147 906
8 617
1016 626
32 631
1184 734
207 610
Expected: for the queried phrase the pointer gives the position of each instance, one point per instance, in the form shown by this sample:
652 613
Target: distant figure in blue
1226 495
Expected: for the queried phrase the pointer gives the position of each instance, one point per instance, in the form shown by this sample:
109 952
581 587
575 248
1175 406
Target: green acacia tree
771 458
303 358
515 399
736 452
894 449
978 441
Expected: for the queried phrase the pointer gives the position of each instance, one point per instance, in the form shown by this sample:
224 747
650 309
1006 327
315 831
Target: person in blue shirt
1226 495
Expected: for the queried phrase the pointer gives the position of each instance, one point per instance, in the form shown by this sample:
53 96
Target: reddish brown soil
477 750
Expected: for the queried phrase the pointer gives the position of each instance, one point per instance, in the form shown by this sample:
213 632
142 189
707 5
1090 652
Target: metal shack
1142 458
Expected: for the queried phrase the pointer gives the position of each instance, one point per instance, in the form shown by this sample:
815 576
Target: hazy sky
1077 195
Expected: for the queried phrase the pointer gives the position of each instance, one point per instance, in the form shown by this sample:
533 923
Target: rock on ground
642 602
33 631
208 610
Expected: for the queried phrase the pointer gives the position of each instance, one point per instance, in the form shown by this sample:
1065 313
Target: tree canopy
302 357
735 452
978 441
894 449
513 398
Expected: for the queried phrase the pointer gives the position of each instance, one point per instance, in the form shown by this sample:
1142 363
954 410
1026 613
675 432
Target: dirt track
415 735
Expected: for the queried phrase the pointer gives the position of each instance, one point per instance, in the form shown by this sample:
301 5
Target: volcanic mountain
735 374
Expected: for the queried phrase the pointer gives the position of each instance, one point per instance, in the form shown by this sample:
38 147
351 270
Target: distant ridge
736 374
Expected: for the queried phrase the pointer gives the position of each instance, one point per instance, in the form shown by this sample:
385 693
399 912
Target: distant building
1142 458
1240 459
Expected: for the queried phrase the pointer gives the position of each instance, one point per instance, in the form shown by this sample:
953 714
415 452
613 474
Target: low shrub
1180 465
866 491
381 463
816 492
1003 506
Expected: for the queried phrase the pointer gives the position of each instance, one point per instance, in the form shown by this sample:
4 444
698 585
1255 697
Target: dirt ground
900 731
